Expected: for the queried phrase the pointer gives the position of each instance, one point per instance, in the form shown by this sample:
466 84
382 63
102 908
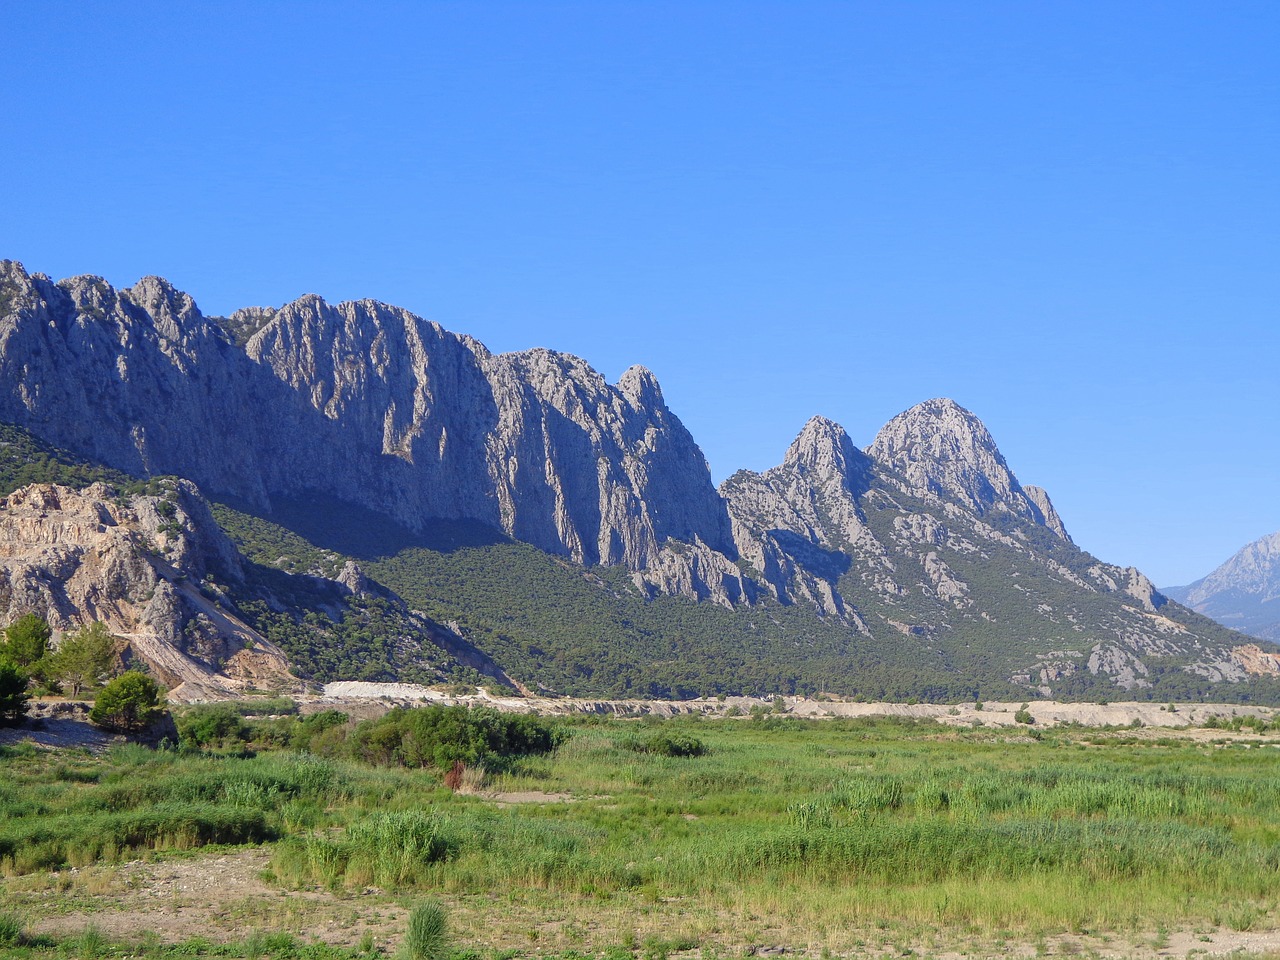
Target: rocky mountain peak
1252 570
942 449
640 386
171 310
824 449
14 286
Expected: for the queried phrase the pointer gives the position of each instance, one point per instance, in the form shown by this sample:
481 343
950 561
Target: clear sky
1063 215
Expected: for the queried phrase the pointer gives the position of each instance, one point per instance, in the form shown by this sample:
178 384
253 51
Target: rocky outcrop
152 568
1257 661
360 401
1048 517
941 451
800 525
930 535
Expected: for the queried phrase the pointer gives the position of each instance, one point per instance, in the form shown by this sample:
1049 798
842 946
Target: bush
1024 716
665 745
11 930
132 701
439 736
213 725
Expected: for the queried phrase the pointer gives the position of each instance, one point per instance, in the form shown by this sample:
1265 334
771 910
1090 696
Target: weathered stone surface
1048 515
361 401
941 450
148 568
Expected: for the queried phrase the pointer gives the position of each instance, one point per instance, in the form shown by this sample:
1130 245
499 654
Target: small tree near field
13 694
132 701
26 641
84 658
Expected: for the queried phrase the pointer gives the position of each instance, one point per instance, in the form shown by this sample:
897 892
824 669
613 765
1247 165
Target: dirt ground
229 895
348 694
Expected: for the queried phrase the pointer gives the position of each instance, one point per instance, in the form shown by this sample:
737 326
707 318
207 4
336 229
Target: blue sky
1065 216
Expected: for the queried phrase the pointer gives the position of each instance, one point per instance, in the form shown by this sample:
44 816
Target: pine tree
84 658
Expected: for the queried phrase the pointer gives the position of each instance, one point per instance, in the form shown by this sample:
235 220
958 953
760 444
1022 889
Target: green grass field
826 837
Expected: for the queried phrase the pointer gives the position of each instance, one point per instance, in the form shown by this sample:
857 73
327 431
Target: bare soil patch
525 796
223 897
228 896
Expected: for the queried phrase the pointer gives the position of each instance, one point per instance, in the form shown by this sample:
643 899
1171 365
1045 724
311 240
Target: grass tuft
427 935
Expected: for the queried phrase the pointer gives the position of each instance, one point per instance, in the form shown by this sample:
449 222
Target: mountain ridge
921 548
1243 592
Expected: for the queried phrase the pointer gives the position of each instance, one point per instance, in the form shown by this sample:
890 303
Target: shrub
132 701
665 745
11 930
439 736
212 725
1024 716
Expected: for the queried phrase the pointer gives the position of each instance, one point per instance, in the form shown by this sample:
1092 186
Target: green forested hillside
590 632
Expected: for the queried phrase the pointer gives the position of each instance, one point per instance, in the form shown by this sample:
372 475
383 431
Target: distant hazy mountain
323 433
1243 593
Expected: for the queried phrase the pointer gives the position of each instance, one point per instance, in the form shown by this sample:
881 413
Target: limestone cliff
361 401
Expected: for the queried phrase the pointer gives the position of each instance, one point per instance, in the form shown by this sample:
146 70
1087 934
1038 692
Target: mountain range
364 492
1243 593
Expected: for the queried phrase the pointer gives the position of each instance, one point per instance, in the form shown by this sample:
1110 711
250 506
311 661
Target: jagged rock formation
1243 593
943 452
152 568
367 403
929 534
801 526
924 546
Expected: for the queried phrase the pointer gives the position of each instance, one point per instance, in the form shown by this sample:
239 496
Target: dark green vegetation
84 660
26 642
26 459
130 702
440 737
13 693
24 656
830 828
588 632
